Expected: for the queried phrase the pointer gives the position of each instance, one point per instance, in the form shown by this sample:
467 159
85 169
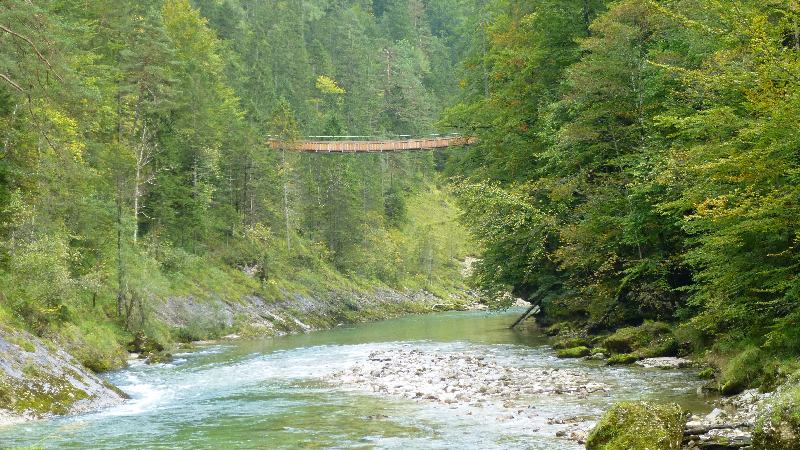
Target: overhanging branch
35 49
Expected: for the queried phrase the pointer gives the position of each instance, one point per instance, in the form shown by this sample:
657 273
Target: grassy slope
425 252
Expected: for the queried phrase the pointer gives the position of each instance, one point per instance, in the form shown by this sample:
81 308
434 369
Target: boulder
638 425
649 340
564 343
38 380
621 359
574 352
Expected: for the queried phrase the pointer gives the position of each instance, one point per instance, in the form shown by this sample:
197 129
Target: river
283 393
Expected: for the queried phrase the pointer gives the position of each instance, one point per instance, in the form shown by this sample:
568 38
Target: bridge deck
404 145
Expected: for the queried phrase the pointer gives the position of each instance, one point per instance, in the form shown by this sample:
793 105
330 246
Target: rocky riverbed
478 383
473 382
730 425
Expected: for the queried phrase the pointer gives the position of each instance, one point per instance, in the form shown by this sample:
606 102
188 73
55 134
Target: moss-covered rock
639 426
149 348
144 344
559 328
574 352
649 340
570 342
37 381
779 427
742 371
159 358
622 359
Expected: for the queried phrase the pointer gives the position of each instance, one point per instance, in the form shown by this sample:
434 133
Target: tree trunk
286 201
137 192
120 260
586 14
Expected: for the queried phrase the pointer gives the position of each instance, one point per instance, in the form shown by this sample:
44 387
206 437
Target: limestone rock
38 381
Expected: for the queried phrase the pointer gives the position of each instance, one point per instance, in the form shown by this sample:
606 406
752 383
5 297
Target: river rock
729 425
778 425
38 380
666 363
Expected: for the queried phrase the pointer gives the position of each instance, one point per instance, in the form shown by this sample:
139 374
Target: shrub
706 374
95 346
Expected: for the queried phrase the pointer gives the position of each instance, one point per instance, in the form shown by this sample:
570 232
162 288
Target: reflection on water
269 394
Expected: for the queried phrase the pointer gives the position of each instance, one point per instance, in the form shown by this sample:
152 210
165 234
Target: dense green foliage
135 166
637 160
636 163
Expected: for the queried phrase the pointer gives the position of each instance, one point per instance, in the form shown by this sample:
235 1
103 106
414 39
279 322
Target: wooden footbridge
367 144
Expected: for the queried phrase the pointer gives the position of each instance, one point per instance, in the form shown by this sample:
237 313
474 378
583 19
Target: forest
135 161
635 162
638 161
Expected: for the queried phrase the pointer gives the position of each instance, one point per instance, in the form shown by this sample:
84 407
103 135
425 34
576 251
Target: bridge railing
372 137
371 144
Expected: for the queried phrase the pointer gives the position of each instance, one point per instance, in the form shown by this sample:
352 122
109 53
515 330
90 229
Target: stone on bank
638 425
779 425
574 352
37 381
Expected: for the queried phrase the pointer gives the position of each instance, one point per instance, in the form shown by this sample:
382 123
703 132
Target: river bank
474 382
740 418
518 386
39 379
286 391
254 316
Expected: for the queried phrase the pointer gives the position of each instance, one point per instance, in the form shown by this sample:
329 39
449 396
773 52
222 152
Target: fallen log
524 315
697 431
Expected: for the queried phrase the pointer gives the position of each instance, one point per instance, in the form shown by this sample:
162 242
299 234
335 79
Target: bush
638 425
706 374
94 345
38 284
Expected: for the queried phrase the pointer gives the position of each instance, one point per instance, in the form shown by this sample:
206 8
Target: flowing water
272 394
